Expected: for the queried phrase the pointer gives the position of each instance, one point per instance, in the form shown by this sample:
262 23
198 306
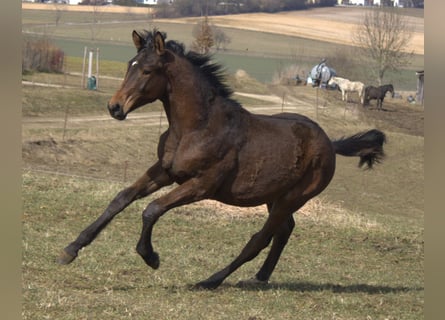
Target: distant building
55 1
420 82
148 2
361 2
395 3
153 2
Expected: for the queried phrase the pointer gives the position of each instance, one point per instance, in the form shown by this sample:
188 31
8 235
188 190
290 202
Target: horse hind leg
280 223
254 246
280 240
280 237
285 207
278 228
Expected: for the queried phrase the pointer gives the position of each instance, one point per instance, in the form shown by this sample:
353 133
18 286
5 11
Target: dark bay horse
377 93
215 149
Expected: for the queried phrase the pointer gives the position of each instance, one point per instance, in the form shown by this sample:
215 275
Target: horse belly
266 168
254 189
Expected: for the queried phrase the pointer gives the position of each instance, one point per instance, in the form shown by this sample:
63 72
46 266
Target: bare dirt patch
398 115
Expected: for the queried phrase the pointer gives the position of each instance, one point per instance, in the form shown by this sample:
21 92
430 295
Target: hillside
333 24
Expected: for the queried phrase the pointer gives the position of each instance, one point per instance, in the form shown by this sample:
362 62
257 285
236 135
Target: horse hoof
206 285
253 282
153 261
65 258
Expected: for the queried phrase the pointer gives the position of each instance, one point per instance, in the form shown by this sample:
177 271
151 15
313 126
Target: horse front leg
190 191
154 179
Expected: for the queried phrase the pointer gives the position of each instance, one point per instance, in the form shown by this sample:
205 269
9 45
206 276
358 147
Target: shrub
41 55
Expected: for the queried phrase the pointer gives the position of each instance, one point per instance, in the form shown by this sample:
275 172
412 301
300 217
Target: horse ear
159 43
139 42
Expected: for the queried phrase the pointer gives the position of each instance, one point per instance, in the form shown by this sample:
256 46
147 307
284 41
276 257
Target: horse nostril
113 108
116 111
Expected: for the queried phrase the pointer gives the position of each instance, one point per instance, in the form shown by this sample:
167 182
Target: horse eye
146 72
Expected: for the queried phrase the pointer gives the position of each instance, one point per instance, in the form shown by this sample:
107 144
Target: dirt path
275 104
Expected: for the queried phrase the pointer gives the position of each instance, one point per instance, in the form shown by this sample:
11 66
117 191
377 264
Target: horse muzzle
116 111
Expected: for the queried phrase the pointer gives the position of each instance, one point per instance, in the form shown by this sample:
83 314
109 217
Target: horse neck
185 105
387 88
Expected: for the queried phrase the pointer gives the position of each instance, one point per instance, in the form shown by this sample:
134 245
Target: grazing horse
346 86
377 93
216 149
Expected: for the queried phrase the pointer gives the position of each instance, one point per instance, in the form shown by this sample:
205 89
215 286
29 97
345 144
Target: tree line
188 8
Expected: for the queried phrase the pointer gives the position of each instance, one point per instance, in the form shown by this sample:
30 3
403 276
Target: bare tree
220 37
383 40
58 10
96 15
203 36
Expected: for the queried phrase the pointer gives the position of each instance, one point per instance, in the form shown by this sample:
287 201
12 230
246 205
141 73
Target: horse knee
261 240
256 244
151 213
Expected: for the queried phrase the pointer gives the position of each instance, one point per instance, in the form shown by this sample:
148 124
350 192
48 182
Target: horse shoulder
212 147
167 146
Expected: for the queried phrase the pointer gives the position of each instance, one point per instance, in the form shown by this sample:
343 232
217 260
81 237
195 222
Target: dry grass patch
329 268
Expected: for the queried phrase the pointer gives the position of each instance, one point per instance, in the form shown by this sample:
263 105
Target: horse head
332 81
391 88
146 79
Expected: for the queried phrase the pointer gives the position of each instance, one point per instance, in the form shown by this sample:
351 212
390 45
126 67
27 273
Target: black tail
366 145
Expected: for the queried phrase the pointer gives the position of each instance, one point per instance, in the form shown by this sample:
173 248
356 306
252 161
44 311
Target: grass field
338 264
357 250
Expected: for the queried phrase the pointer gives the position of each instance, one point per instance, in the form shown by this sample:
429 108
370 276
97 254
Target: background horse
377 93
216 149
346 86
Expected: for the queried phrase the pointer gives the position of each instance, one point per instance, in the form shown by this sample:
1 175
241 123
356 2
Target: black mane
212 71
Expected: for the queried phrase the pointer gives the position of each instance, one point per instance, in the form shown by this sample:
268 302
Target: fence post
65 122
97 68
82 81
282 102
316 104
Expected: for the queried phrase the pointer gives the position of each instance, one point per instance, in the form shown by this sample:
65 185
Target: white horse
346 86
